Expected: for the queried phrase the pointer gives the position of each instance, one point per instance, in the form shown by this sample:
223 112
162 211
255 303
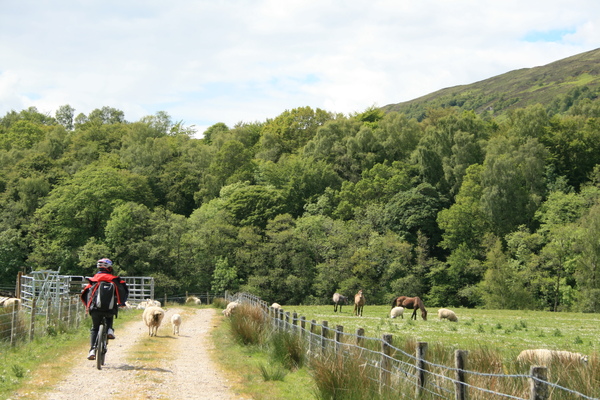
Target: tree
64 116
503 286
513 183
79 209
290 131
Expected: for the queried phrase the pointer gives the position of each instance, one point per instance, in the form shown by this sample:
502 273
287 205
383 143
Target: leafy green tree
224 277
252 204
453 283
13 252
290 131
414 211
504 286
464 222
213 131
513 183
65 115
301 180
79 209
588 267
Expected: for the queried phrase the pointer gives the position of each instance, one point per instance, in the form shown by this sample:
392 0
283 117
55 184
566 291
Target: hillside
547 85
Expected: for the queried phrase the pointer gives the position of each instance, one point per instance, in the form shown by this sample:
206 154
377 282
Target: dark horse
412 303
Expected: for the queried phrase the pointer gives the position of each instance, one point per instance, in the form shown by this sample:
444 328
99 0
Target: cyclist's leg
96 320
109 325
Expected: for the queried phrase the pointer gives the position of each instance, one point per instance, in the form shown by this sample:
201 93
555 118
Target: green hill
556 85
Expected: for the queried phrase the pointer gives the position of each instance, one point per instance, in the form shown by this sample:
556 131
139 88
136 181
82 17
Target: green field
506 331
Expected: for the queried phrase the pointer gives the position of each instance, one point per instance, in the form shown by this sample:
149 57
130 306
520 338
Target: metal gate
48 287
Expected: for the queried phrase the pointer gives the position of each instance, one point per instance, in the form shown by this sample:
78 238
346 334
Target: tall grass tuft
219 302
339 378
272 372
288 349
249 324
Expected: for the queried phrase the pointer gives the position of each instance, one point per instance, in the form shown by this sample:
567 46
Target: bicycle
101 343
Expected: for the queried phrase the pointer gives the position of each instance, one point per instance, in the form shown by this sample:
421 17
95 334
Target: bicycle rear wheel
100 346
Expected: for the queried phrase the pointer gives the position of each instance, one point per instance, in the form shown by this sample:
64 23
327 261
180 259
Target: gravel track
187 371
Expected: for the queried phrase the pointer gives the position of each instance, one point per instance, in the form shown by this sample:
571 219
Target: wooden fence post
303 326
287 321
384 371
339 332
48 312
460 389
313 324
324 335
360 337
538 383
13 325
69 312
32 321
294 322
60 310
420 365
279 319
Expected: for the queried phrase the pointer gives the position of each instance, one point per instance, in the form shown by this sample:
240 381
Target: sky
238 61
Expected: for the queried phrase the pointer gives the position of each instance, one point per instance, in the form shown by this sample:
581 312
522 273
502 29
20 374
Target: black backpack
103 297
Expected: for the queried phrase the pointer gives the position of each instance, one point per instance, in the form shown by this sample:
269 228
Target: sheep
153 317
193 300
397 312
544 357
230 307
444 313
13 303
275 306
176 322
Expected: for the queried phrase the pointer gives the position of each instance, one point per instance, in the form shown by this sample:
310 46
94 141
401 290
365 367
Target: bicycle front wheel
100 346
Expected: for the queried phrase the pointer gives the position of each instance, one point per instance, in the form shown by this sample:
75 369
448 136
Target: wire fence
18 324
395 371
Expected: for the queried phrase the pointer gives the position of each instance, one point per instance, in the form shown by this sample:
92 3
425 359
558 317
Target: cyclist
121 293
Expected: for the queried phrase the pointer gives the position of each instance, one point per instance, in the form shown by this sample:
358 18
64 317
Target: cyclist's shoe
110 334
92 354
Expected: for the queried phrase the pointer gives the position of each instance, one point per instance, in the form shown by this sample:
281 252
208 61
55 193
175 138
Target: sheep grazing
544 357
444 313
153 317
176 322
193 300
12 303
397 312
275 306
230 307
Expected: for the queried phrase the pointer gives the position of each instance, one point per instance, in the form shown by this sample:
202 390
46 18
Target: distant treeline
459 208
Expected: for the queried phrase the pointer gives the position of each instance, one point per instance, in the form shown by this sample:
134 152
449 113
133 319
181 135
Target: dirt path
186 372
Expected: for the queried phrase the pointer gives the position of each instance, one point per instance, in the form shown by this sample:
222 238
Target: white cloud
205 62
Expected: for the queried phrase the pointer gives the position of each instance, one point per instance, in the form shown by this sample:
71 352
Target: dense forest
458 207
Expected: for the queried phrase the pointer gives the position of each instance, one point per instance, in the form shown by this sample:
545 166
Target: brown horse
359 303
412 303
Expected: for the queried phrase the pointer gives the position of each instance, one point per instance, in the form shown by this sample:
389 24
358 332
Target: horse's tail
394 302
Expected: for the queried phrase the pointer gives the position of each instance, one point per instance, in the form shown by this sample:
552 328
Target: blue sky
236 61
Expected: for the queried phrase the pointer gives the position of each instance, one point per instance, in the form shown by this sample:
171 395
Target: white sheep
444 313
275 306
13 302
176 321
153 317
545 357
230 307
193 300
397 312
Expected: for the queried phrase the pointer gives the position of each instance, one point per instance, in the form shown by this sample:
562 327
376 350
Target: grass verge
253 372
